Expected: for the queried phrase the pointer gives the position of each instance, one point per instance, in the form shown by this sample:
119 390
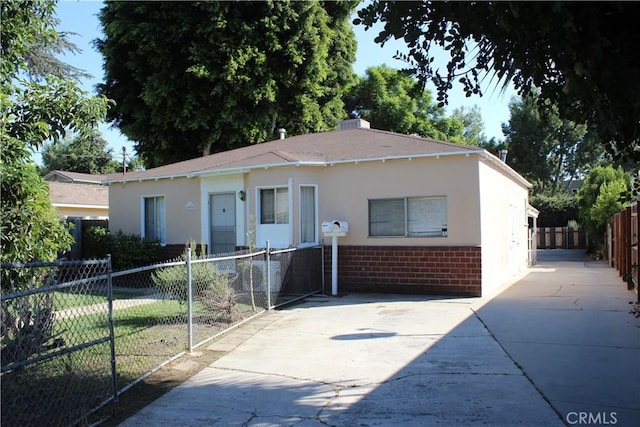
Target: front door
222 214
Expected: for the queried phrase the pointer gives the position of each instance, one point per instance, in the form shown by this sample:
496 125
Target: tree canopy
193 78
89 154
37 103
580 55
391 100
602 195
546 149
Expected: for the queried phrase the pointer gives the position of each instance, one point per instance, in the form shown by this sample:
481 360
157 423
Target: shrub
97 242
127 250
27 322
601 195
555 211
131 250
210 286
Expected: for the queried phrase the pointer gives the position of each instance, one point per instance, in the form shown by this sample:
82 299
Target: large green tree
85 154
581 55
545 148
472 126
193 78
37 103
392 100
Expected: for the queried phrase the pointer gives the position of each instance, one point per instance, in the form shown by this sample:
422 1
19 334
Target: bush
27 327
555 211
210 286
97 242
602 194
127 250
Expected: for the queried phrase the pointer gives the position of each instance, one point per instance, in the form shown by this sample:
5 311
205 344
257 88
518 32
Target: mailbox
335 228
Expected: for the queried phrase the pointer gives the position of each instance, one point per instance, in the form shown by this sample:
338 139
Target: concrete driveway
387 360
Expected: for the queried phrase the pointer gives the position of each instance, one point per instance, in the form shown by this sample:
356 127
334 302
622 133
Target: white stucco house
424 216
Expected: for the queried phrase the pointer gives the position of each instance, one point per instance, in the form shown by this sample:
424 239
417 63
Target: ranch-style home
423 216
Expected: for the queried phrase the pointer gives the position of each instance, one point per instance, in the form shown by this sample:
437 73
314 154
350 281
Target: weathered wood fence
561 238
622 239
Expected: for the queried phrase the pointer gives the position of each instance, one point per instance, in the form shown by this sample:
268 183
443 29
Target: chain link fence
90 341
56 342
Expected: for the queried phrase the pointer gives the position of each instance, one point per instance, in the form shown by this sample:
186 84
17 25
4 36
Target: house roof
318 149
65 176
70 194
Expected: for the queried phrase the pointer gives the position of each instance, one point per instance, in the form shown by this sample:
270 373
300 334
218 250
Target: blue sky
80 17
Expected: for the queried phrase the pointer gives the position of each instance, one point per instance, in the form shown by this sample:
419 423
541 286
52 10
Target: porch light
242 195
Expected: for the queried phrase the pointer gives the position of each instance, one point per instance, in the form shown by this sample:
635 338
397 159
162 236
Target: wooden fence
622 236
561 238
79 232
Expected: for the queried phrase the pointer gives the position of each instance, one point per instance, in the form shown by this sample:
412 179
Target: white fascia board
73 205
506 168
150 178
246 169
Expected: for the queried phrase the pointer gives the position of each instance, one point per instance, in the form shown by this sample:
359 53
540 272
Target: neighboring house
78 195
572 187
424 216
80 200
75 177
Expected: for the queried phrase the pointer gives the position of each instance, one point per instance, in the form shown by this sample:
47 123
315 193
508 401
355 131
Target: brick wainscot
432 270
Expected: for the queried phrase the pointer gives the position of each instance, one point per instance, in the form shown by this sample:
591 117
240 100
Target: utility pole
124 160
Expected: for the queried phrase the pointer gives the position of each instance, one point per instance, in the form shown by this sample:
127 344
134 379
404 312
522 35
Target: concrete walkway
567 325
558 342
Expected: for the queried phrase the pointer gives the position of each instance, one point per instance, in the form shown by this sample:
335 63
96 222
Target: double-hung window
153 218
408 217
274 205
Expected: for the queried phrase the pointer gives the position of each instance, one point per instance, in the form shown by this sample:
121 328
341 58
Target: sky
80 17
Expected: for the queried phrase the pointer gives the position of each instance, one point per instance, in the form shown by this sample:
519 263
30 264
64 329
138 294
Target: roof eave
506 168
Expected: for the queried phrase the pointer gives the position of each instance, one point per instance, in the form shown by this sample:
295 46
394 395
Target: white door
222 214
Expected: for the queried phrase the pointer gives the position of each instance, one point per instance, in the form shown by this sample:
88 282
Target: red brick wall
434 270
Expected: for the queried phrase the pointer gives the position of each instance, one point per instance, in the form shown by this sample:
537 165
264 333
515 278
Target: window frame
315 214
405 220
276 217
162 218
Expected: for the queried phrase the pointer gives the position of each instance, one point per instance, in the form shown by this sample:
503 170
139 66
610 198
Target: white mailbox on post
334 229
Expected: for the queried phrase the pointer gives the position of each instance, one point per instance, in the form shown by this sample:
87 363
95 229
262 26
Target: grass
146 336
63 300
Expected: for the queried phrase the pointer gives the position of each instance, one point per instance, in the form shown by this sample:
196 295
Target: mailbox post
334 229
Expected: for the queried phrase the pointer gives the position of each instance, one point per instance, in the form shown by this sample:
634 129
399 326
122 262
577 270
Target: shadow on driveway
557 343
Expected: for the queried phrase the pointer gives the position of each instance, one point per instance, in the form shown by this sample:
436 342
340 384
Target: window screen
408 217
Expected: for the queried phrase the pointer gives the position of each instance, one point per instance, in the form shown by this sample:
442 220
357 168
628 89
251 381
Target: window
153 225
408 217
308 225
274 205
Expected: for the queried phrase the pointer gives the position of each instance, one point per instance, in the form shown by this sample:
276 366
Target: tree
37 104
580 55
80 154
546 149
391 100
555 211
602 194
472 126
194 78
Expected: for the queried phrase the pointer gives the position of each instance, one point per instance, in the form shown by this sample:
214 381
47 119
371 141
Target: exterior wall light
242 195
